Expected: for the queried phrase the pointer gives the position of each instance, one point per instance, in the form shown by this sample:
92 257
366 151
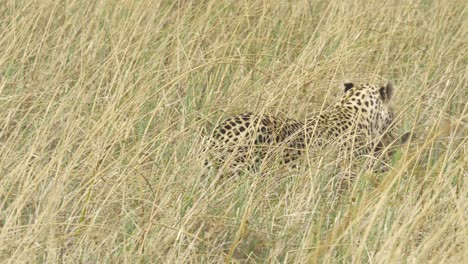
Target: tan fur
355 123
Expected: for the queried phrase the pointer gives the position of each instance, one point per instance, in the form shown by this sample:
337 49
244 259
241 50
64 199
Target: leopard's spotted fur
356 124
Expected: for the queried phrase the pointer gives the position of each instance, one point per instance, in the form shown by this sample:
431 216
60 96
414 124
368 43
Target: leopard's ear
386 92
347 85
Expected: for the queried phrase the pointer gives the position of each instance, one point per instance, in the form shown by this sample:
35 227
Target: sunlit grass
104 105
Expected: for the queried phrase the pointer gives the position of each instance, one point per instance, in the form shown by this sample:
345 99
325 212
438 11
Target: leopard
358 124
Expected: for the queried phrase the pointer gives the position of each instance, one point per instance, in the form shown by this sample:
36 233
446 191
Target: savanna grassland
104 107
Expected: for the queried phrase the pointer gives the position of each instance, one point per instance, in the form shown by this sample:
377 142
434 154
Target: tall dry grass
103 105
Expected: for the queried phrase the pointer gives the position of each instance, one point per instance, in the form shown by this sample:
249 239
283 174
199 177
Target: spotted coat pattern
355 124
